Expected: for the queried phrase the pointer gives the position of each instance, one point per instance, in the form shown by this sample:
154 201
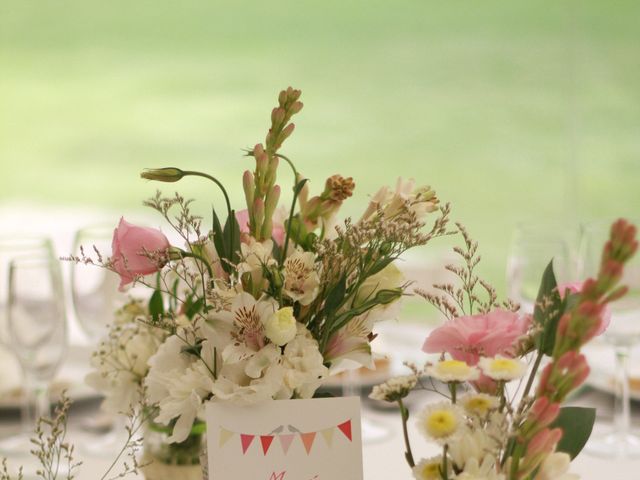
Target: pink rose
576 287
131 247
484 335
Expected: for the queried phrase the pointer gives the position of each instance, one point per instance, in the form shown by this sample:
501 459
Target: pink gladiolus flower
470 337
131 247
578 287
544 412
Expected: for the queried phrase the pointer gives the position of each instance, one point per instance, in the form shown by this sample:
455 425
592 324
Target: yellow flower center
504 365
479 405
454 367
430 471
441 423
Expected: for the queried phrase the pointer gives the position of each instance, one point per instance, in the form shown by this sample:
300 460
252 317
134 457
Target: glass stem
622 407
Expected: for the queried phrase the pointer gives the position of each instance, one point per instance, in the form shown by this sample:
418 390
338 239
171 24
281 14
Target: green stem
186 254
217 182
405 417
532 375
296 192
295 172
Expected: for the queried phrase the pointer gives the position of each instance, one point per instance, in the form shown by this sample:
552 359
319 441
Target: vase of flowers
262 305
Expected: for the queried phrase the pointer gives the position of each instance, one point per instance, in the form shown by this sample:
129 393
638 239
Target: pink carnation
484 335
576 287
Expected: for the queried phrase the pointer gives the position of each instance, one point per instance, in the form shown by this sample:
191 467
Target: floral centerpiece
263 305
488 427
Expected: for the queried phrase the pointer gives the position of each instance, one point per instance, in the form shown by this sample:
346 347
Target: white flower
245 319
420 201
478 404
394 389
281 327
428 469
472 444
389 278
452 371
179 383
476 470
556 467
502 368
235 386
256 255
121 364
301 279
352 343
441 421
304 366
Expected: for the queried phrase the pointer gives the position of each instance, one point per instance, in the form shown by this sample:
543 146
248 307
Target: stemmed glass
10 247
95 298
532 248
622 334
37 332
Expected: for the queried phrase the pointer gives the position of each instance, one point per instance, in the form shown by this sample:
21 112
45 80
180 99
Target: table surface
383 460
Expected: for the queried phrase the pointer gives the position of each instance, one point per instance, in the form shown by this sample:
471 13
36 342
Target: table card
317 439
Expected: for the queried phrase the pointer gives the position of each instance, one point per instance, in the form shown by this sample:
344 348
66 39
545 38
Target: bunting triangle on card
285 442
246 441
266 442
328 435
346 429
307 440
225 435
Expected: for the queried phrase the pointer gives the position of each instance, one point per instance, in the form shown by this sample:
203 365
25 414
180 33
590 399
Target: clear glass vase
169 461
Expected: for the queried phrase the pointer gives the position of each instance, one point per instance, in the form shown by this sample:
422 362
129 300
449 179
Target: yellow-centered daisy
479 404
452 371
440 421
428 469
502 368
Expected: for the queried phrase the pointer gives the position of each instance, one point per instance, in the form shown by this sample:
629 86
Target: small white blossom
281 327
394 389
453 371
428 469
301 279
502 368
556 467
441 422
478 404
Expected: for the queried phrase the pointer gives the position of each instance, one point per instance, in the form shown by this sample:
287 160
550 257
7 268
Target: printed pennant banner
285 439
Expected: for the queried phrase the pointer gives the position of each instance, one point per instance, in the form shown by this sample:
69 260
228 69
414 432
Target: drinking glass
37 332
10 247
94 290
622 334
532 248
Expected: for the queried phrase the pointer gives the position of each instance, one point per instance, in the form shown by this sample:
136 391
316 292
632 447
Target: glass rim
24 242
31 260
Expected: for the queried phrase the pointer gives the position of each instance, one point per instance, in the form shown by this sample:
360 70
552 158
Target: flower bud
281 327
258 212
249 185
168 174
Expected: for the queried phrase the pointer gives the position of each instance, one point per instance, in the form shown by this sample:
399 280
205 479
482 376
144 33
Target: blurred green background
514 111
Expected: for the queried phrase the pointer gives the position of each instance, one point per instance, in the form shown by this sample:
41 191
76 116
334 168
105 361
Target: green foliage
576 424
548 310
156 306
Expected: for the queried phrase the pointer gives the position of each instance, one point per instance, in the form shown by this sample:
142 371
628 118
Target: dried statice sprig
5 475
51 448
472 294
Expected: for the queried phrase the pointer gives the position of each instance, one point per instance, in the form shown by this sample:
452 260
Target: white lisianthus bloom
301 279
472 444
121 364
389 278
235 386
480 470
179 383
304 366
478 404
452 371
428 469
394 389
556 467
281 327
441 422
502 368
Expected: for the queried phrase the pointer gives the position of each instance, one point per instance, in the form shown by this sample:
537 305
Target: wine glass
532 248
37 331
10 247
94 290
95 296
622 334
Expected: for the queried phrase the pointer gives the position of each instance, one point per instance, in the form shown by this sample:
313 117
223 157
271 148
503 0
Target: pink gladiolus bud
544 412
545 388
249 186
586 288
132 249
544 442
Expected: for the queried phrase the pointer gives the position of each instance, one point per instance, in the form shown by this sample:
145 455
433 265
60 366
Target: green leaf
576 424
218 239
549 316
191 308
380 265
232 238
335 297
156 305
